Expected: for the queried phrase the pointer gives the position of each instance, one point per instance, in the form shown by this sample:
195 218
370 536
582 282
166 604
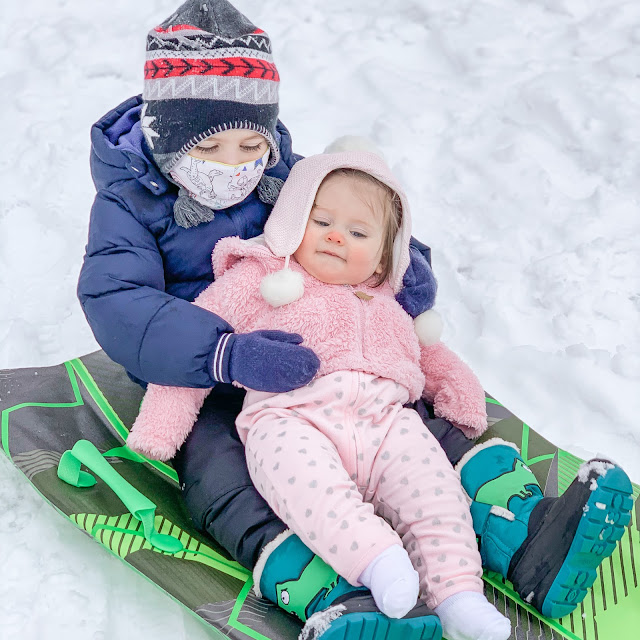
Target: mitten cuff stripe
219 360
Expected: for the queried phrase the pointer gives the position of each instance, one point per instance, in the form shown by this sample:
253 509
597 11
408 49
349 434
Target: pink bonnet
286 225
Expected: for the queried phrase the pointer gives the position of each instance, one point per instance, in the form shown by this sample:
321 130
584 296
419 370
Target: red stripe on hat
177 27
176 67
258 30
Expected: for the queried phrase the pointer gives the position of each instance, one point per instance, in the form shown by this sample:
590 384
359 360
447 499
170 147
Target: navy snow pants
215 481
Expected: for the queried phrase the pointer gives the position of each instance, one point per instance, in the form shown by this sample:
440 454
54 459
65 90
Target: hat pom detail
428 326
282 287
353 143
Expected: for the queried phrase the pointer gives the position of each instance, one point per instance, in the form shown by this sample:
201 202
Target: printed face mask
217 185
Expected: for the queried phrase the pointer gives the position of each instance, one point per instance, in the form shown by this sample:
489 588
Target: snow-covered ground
515 126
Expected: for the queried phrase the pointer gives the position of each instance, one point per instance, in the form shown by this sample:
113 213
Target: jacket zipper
357 430
363 315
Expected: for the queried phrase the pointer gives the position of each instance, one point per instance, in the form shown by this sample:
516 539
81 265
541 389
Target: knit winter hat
285 227
208 69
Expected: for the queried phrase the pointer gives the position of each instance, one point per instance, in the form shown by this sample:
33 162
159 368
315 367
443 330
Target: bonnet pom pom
428 326
353 143
282 287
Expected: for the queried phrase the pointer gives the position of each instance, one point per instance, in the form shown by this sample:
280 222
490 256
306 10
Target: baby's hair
392 216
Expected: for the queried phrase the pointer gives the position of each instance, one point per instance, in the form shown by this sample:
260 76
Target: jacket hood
118 149
286 225
232 249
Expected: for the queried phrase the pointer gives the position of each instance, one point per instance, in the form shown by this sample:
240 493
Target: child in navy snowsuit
201 156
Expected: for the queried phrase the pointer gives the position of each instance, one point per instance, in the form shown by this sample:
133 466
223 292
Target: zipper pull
362 295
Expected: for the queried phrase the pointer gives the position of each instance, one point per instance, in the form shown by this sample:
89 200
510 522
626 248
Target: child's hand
454 390
272 361
138 441
419 286
166 418
464 409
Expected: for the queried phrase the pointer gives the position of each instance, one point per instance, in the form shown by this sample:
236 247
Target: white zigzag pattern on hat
176 42
237 52
235 89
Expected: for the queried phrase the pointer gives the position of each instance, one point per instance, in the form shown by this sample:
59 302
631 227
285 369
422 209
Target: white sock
468 615
393 582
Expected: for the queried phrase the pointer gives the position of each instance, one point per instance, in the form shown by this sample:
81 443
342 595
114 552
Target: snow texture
514 126
599 467
319 622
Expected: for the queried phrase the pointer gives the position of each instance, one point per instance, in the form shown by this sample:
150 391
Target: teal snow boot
549 548
301 583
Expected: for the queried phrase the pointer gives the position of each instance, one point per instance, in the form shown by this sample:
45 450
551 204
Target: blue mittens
272 361
419 285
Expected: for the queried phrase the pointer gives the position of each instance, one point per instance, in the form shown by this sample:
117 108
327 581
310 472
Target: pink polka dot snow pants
340 459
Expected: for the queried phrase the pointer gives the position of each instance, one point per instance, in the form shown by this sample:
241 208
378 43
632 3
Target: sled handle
140 507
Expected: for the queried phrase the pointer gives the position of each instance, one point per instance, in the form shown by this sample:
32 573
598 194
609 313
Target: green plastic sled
132 506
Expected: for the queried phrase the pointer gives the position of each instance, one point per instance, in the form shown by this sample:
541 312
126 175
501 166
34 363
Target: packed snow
515 127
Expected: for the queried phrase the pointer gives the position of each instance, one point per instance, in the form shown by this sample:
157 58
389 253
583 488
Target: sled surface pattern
45 411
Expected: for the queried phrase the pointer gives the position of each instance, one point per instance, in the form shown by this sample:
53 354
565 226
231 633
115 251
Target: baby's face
342 243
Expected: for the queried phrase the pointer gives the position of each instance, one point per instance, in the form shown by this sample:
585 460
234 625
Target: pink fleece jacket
357 328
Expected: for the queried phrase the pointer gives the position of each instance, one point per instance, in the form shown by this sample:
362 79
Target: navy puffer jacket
141 269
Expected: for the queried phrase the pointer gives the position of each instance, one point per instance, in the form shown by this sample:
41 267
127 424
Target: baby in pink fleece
352 471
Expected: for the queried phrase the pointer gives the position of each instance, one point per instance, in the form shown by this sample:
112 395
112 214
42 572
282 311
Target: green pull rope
140 507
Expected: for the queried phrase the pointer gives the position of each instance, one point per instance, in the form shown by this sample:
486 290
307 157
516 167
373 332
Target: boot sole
376 626
607 513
